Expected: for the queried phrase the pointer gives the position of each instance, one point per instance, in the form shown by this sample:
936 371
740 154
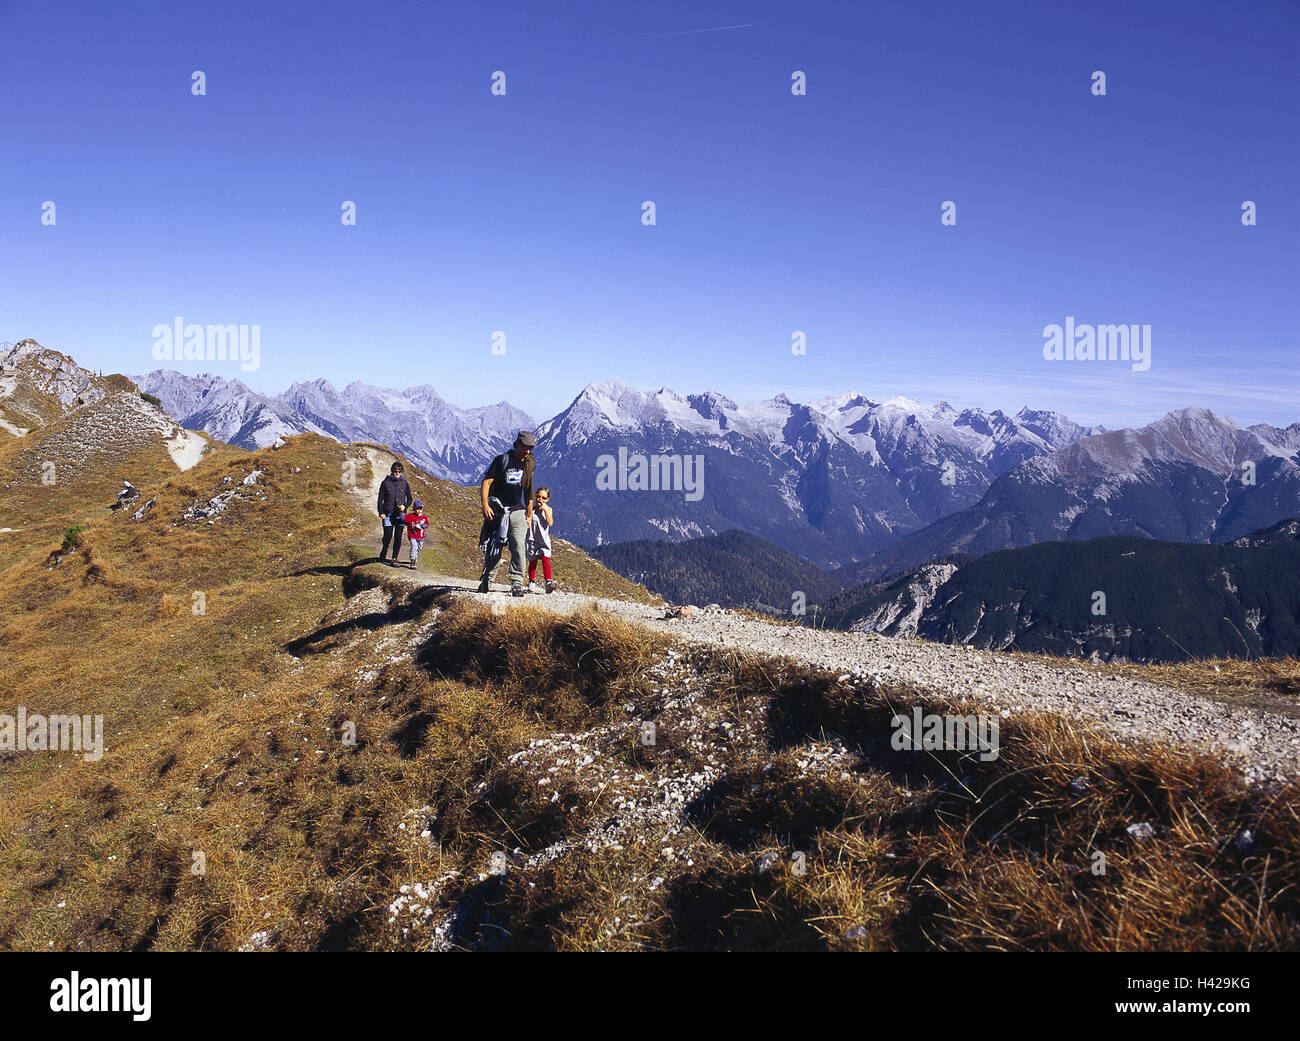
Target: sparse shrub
72 538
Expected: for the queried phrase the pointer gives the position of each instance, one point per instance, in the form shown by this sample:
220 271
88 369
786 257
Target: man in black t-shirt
509 479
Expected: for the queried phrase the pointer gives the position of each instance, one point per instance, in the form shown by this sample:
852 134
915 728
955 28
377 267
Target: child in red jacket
416 525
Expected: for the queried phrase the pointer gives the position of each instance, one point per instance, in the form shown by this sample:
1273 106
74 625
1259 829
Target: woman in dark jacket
394 496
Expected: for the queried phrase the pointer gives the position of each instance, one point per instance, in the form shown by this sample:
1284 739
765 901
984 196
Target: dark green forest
734 569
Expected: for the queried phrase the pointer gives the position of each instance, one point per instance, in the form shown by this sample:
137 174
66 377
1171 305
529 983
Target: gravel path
1265 745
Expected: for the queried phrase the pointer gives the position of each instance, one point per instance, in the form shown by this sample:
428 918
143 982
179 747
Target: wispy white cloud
692 32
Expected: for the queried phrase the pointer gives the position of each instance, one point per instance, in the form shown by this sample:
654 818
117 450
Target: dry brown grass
926 851
226 751
566 672
112 629
306 840
223 727
998 855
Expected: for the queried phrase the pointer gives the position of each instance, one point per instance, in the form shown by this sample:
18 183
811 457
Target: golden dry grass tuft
566 672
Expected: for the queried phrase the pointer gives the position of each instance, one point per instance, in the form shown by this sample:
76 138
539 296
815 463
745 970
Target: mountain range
1191 476
833 481
864 487
1113 598
448 442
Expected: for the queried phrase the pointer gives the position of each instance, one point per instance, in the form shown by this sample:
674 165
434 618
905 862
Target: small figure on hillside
509 481
538 545
129 493
417 523
394 497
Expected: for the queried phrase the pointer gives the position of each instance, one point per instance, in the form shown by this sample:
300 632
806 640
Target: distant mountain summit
73 439
833 480
39 385
446 441
1191 476
226 409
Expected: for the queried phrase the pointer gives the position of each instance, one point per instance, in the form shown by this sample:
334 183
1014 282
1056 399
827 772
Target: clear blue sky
523 213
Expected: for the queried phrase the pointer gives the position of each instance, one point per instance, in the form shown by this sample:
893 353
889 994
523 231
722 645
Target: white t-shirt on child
539 538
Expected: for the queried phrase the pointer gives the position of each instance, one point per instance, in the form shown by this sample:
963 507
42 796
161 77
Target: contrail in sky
691 32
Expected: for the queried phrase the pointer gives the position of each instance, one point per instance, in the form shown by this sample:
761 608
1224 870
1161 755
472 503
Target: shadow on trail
412 602
357 581
353 581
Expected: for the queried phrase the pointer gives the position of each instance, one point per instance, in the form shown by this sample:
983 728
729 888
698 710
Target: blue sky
775 213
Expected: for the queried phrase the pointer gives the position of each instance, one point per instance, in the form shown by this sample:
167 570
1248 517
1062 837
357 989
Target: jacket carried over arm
492 535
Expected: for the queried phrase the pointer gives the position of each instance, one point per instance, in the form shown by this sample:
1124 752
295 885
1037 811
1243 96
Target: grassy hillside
307 751
179 630
734 569
500 795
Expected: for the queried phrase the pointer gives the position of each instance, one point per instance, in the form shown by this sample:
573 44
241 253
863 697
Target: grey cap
526 439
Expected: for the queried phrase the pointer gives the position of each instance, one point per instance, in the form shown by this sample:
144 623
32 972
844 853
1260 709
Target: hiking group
399 509
513 514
